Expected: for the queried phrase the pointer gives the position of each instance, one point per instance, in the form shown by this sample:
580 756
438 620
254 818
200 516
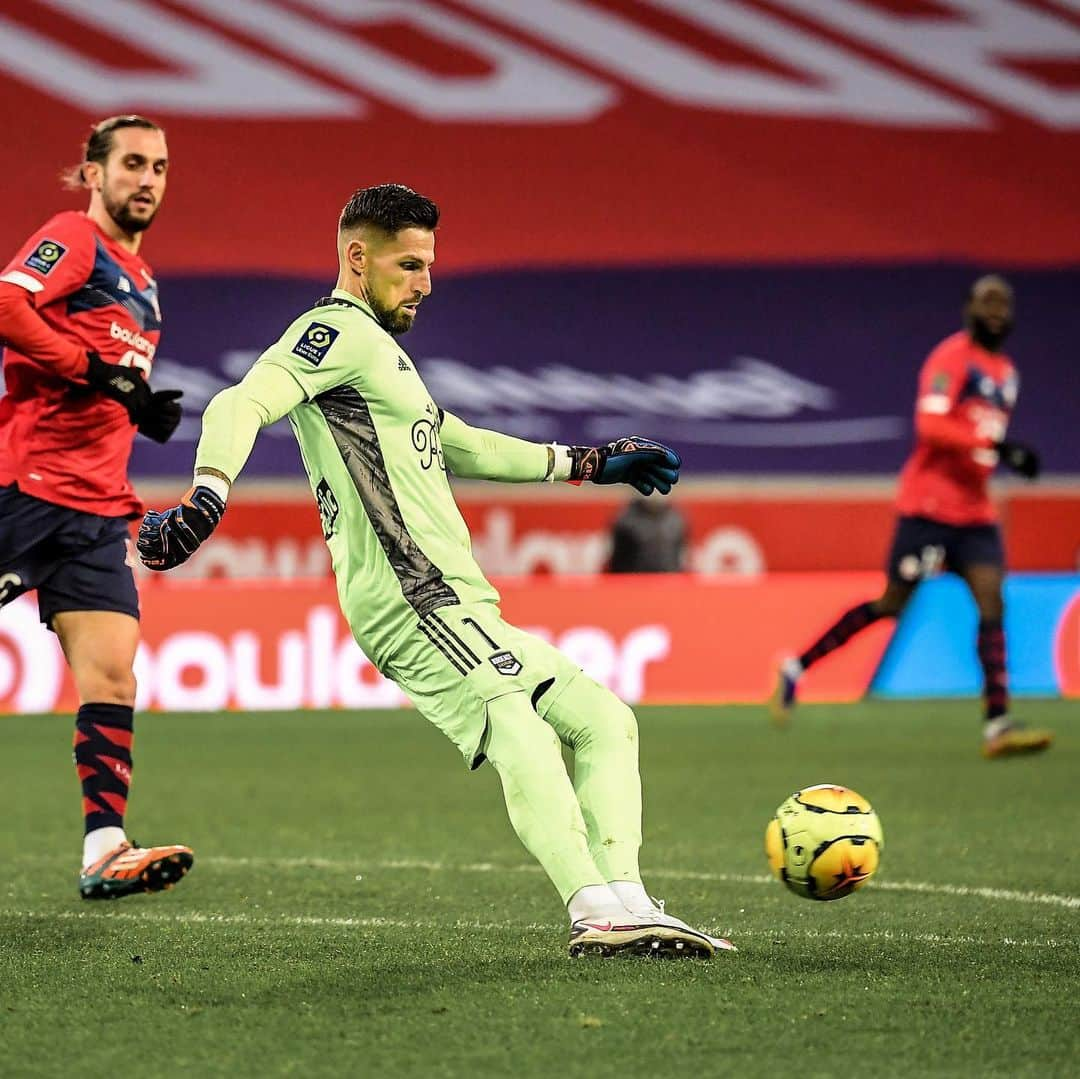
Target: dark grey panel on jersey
349 419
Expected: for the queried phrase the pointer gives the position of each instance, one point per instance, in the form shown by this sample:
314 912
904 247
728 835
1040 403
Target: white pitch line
211 918
1070 902
320 921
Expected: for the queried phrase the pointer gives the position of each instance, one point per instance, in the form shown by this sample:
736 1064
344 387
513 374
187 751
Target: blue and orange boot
128 869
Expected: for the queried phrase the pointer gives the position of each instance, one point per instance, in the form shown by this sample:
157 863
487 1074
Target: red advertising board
591 133
1043 530
549 531
251 645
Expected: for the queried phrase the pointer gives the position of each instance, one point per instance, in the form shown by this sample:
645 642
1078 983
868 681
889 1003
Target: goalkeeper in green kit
377 450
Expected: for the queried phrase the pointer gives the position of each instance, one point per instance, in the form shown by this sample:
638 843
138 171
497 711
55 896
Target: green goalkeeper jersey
375 451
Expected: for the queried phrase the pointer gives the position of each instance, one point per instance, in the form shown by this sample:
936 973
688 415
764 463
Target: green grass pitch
360 906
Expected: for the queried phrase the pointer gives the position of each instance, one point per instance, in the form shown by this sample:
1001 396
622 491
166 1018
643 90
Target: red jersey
62 442
966 396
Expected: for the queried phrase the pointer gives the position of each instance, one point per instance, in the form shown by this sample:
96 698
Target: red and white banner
548 532
563 132
208 646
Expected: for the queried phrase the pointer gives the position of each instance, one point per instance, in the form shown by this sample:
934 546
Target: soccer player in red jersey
80 323
967 390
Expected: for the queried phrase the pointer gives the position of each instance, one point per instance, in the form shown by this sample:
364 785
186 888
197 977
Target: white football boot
661 938
659 915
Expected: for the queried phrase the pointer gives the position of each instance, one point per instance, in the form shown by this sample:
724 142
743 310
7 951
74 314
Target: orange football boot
129 869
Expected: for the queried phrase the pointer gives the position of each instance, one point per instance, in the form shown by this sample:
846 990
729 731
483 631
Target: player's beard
982 335
392 319
121 213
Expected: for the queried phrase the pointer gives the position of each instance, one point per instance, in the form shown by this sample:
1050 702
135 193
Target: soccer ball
825 842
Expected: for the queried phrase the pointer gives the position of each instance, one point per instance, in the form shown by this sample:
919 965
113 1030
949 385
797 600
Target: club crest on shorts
315 342
45 256
505 663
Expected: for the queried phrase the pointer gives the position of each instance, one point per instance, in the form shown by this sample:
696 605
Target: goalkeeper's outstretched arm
474 453
234 418
230 425
478 454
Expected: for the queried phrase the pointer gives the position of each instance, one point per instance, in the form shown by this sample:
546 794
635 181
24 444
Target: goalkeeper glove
155 414
644 464
1020 458
167 540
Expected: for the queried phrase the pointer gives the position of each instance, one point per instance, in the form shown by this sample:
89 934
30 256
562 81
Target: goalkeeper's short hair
390 208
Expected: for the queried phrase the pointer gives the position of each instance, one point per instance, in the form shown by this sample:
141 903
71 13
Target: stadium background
738 227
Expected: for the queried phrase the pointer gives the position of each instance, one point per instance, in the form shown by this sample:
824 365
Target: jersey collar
342 296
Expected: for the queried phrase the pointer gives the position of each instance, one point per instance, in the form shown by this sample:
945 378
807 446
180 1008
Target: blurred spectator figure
649 536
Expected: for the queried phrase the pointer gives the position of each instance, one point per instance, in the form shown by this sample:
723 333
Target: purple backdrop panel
770 370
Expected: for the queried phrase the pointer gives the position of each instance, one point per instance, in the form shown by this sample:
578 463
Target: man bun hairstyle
390 208
99 144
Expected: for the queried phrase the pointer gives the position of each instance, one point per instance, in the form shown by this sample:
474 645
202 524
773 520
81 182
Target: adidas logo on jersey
124 285
402 365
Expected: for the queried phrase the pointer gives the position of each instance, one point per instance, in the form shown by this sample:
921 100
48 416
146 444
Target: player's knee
892 601
613 725
108 683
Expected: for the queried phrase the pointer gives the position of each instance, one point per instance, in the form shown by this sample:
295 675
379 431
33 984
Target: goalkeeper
377 450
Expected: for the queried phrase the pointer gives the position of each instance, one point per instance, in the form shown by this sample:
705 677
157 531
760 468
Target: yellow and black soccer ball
824 842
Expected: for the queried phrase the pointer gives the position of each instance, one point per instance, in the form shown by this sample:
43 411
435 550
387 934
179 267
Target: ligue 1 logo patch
315 342
45 256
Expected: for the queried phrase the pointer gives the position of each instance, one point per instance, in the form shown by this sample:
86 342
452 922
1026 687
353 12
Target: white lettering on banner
643 646
729 550
285 559
31 663
318 667
840 84
620 667
322 623
211 74
498 548
250 690
182 654
359 684
751 388
971 50
511 400
499 553
522 85
216 76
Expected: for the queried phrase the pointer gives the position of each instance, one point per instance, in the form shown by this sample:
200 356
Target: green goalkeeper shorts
462 657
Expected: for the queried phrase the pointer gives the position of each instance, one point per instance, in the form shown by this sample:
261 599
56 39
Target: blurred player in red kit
967 390
80 323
